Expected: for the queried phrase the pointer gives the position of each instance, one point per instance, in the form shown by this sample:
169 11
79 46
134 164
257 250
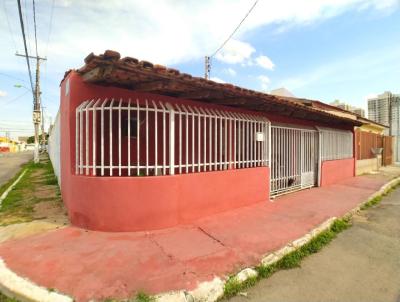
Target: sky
318 49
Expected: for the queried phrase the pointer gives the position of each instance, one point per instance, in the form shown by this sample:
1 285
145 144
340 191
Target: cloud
235 51
360 67
3 93
265 81
265 62
230 71
218 80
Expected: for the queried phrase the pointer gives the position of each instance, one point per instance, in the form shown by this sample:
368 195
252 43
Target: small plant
4 298
143 297
291 260
372 202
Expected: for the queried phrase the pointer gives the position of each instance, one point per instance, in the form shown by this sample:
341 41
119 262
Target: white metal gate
294 159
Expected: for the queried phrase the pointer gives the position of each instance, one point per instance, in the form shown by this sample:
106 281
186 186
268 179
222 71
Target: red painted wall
333 171
144 203
153 202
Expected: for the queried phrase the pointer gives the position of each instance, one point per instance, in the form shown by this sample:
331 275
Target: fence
336 144
54 147
143 138
367 141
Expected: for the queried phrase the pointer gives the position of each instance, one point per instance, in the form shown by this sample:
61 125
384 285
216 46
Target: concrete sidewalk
362 264
86 264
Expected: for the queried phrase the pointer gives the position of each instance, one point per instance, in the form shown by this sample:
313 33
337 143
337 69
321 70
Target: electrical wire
12 77
51 25
34 25
16 98
9 26
237 27
26 50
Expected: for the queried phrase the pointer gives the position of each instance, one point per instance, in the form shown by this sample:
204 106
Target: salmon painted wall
333 171
144 203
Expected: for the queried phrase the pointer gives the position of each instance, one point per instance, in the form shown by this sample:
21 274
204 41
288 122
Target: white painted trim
25 290
5 193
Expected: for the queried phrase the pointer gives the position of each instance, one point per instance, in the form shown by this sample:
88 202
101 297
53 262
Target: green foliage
19 204
372 202
4 298
143 297
291 260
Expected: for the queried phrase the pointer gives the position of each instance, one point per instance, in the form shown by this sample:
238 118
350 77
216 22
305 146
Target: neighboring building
23 139
282 92
147 147
344 106
369 137
8 145
385 109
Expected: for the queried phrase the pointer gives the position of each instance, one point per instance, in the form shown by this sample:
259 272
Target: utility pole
37 109
207 67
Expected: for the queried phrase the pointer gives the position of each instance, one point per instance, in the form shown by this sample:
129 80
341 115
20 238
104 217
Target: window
133 126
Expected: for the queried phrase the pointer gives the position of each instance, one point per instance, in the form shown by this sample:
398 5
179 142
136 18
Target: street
362 264
10 164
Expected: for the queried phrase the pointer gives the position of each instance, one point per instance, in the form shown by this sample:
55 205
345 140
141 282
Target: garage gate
294 159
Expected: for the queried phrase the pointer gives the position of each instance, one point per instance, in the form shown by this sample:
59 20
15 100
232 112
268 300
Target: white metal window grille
127 138
336 144
294 159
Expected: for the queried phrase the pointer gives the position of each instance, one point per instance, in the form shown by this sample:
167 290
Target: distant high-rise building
344 106
385 109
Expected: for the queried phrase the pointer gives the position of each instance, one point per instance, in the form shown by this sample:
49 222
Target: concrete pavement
10 164
362 264
88 264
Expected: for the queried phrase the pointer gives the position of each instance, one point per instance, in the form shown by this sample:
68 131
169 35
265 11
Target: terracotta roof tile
110 69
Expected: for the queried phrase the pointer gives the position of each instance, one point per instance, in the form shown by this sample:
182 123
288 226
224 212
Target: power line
34 25
9 26
21 21
50 27
28 32
237 27
11 77
16 98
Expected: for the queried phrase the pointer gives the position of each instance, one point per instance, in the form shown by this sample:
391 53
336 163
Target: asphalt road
361 265
10 164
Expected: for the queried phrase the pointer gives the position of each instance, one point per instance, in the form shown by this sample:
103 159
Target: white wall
54 147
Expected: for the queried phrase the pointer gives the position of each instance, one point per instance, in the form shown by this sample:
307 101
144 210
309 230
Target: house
147 147
373 148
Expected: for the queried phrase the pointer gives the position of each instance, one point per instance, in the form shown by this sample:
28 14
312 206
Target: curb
24 290
210 291
5 193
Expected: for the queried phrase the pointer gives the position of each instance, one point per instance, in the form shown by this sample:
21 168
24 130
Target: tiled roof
112 70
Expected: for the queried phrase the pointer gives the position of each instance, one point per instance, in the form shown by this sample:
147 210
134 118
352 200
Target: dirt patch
35 197
51 212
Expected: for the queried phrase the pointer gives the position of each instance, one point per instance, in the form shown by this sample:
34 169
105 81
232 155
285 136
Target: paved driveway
10 163
362 264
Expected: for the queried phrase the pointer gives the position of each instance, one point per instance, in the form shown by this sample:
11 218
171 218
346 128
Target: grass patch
20 203
293 259
372 202
140 297
289 261
4 298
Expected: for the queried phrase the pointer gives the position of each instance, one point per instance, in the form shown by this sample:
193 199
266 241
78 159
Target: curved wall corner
118 204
